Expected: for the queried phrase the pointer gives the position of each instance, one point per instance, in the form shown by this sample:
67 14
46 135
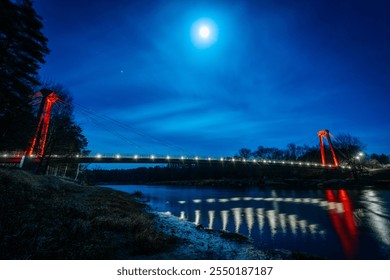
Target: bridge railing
158 158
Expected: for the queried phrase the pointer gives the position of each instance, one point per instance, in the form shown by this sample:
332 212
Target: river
331 224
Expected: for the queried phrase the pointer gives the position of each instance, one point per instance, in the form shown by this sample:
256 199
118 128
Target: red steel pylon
325 133
38 143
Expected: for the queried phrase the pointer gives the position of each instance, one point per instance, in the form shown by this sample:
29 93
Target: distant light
77 156
221 158
135 156
196 158
168 157
98 156
182 158
361 154
209 158
5 155
118 156
244 160
152 157
254 160
233 159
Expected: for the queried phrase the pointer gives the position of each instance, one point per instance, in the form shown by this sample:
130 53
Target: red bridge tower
38 143
325 133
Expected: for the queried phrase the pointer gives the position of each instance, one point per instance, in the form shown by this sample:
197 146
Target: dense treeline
22 51
347 149
23 48
226 172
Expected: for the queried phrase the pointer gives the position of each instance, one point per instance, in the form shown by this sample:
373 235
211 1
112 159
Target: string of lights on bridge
153 158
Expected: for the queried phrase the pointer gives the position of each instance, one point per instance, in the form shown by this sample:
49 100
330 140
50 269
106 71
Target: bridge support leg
321 135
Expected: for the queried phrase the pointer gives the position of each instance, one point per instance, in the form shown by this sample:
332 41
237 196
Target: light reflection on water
334 224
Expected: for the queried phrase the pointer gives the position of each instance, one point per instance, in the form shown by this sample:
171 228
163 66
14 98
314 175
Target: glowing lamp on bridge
182 158
209 159
118 156
196 158
168 157
135 156
98 156
221 158
152 157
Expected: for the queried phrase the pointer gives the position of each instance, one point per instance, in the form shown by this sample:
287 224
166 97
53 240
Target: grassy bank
49 218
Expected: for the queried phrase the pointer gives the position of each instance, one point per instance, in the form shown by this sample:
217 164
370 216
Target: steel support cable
93 118
113 132
88 111
335 147
140 133
99 124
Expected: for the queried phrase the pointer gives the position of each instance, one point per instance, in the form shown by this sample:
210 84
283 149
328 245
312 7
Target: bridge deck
168 160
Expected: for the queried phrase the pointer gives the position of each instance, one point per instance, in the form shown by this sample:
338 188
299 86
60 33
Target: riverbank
44 217
296 183
199 243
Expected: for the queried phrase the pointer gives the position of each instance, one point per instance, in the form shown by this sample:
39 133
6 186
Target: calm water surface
332 224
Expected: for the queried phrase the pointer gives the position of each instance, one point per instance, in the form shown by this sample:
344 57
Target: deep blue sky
277 72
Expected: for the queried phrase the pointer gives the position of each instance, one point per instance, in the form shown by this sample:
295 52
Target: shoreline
198 243
277 183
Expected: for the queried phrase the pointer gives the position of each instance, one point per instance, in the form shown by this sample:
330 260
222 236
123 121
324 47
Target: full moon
204 32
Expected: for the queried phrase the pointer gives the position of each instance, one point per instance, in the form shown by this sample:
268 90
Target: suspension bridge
35 152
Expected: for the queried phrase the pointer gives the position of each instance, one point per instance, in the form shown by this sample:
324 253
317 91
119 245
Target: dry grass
48 218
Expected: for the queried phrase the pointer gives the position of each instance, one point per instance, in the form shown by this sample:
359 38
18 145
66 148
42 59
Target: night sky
270 73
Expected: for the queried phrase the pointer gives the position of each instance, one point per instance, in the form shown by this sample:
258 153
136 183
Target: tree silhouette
244 153
348 146
65 136
22 50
